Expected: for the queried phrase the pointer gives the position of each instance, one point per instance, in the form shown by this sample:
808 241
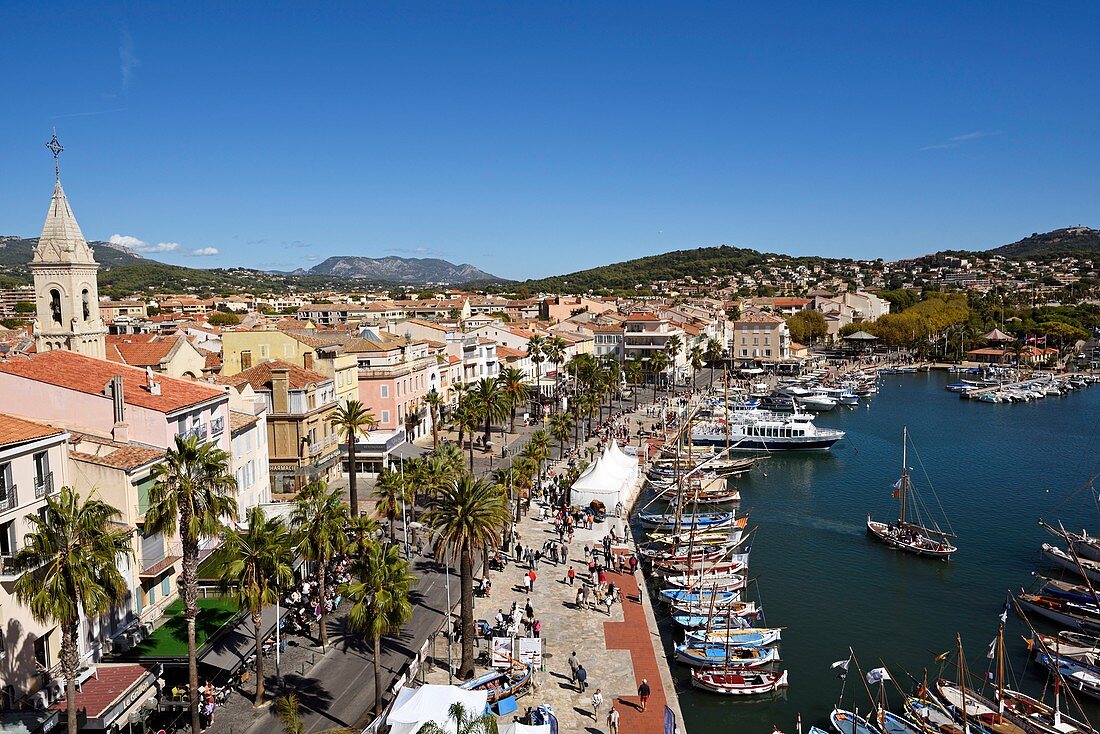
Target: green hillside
1069 241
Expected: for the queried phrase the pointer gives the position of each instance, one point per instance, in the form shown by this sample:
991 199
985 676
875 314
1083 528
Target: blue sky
536 138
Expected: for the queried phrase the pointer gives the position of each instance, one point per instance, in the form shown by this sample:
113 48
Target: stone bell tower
65 285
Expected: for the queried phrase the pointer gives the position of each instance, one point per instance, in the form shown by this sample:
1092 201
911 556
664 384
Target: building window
384 391
55 305
385 416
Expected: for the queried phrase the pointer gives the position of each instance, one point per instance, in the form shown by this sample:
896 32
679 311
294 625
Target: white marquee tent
610 479
415 707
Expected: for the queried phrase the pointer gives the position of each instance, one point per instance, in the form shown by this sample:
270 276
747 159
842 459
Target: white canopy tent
514 727
415 707
610 479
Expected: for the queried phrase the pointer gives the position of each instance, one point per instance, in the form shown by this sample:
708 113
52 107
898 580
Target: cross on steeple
55 147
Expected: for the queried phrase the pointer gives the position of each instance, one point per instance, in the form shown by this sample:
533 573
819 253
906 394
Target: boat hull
738 684
880 531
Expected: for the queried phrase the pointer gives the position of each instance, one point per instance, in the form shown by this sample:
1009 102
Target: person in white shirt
597 701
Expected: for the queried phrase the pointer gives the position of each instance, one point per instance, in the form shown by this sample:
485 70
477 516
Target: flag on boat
742 522
992 649
878 675
943 656
1004 613
897 484
841 668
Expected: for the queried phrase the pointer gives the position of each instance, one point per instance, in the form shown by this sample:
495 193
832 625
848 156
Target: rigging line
933 488
1087 484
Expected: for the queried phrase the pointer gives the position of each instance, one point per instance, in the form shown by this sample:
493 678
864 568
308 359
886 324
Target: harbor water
996 469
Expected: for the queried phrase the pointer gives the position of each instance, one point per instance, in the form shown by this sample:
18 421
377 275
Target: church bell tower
65 285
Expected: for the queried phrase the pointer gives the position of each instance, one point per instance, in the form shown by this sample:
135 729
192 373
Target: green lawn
170 639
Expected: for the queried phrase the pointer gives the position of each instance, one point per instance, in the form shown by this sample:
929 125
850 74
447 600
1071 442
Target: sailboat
905 535
973 709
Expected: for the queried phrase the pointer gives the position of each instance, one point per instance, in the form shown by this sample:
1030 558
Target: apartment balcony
8 570
43 485
198 431
156 565
322 445
8 498
217 426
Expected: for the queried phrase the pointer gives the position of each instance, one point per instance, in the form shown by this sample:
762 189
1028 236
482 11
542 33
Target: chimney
280 390
307 360
121 430
151 382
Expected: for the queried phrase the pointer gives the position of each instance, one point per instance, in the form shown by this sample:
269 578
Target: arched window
55 305
84 300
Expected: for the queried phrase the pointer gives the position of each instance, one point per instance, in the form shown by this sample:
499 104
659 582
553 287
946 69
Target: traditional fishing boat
702 595
1035 714
1085 648
501 684
726 580
745 617
704 537
930 717
731 495
1077 675
973 709
711 655
847 722
888 722
735 683
699 520
1081 566
731 563
688 554
716 609
747 637
1080 593
1079 617
905 535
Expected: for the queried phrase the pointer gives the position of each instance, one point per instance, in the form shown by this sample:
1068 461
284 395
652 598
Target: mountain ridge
394 269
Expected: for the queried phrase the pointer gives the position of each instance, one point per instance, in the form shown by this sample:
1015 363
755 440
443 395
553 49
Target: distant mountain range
16 252
393 269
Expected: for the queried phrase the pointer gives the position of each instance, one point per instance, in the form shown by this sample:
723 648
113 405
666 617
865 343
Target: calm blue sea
996 469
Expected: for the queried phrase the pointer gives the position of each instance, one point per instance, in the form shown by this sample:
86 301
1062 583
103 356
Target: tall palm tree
555 353
695 357
613 377
350 420
713 355
536 352
538 448
390 489
460 389
380 602
362 535
320 518
70 560
512 382
492 403
658 363
254 565
434 401
191 495
561 425
467 516
288 711
450 456
673 347
466 722
635 371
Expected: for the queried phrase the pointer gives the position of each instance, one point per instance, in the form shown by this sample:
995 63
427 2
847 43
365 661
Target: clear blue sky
532 138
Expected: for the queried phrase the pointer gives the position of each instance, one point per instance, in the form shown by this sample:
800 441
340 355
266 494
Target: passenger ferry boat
764 430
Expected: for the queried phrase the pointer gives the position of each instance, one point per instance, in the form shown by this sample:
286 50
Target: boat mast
904 474
962 681
726 402
1000 671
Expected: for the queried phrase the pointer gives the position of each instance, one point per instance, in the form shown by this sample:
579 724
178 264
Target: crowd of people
303 602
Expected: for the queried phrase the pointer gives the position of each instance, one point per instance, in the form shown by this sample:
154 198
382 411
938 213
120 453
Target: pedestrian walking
597 701
582 679
570 575
613 720
574 663
643 693
527 582
608 599
536 628
532 576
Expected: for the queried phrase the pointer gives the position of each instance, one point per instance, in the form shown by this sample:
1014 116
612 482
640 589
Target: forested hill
699 263
1070 241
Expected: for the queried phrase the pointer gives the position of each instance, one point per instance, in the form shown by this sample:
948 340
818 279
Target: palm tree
536 352
658 362
713 354
465 722
538 448
253 565
390 489
560 427
289 712
320 519
695 356
613 376
635 371
555 352
672 348
468 415
362 534
467 516
191 495
459 389
492 403
70 559
380 602
512 383
450 458
434 401
350 420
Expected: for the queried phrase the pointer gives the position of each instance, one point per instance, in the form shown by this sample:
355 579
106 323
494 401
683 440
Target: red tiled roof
508 352
643 317
90 376
239 420
260 376
16 430
141 352
110 683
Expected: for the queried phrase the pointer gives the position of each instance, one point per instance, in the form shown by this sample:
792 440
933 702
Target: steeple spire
55 147
61 239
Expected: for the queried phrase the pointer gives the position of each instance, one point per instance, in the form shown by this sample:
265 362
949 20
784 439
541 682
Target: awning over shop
29 722
232 646
115 692
406 451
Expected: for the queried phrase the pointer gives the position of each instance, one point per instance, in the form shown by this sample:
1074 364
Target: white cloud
956 140
137 245
128 59
204 252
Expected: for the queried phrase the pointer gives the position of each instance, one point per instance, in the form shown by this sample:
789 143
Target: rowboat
706 654
846 722
501 684
716 610
702 595
700 521
725 580
720 680
748 637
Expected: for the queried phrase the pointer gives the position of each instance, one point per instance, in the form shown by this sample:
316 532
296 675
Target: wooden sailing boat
905 535
970 708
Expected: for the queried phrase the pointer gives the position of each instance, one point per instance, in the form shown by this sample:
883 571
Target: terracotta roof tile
90 376
17 430
141 352
239 421
260 376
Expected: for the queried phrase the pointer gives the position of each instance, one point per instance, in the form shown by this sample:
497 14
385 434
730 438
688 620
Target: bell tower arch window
84 303
55 305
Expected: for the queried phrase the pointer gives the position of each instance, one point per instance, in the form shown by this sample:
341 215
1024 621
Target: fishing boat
710 655
723 496
701 537
702 594
930 717
735 562
689 553
1035 714
1079 617
746 617
1080 593
1079 676
972 709
746 637
847 722
904 535
1080 566
763 430
717 609
501 684
738 683
726 580
1084 648
888 722
700 521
